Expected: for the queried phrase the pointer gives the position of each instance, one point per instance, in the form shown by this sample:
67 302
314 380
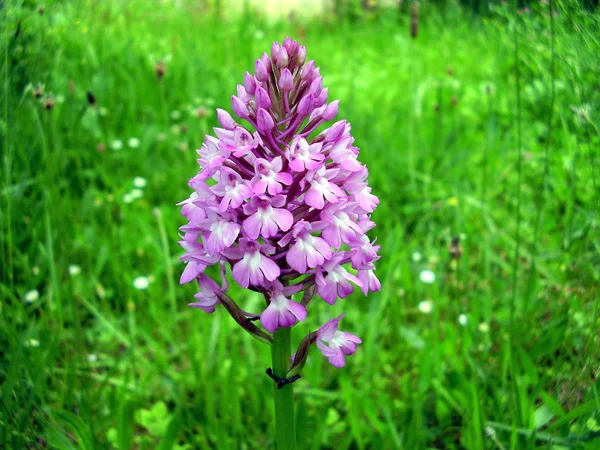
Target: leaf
542 416
89 122
79 427
170 436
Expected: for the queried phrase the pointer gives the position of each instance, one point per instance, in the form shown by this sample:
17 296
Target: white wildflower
427 276
426 306
133 142
141 283
32 296
140 182
116 144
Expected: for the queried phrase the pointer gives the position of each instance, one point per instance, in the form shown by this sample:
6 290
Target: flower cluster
286 208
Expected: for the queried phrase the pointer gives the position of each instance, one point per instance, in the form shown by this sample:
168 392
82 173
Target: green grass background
482 127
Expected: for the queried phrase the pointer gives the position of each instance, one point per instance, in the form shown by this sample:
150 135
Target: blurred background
479 124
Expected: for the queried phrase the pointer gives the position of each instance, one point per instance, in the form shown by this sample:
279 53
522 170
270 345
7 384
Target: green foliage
96 93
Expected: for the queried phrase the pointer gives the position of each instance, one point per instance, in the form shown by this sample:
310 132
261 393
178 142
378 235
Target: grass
95 363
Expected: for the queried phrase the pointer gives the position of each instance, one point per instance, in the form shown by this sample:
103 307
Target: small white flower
462 320
141 283
133 142
92 357
484 327
140 182
128 198
426 306
32 343
416 256
427 276
175 114
117 144
74 270
32 296
136 193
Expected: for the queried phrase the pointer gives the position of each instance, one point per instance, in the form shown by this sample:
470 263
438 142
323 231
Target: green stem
285 424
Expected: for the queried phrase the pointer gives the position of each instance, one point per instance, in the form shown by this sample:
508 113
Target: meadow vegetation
481 135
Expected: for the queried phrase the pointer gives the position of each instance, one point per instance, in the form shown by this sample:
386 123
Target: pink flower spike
336 345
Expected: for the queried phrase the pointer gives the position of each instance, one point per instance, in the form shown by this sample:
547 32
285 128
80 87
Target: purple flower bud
242 94
322 98
283 59
266 61
225 119
316 86
288 43
239 108
260 71
331 110
286 81
264 120
291 47
249 83
336 130
275 51
301 56
307 72
306 105
262 98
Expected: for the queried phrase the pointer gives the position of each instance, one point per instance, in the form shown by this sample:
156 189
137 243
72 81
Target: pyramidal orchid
286 210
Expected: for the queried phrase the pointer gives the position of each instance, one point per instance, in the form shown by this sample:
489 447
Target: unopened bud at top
301 56
239 107
262 98
322 98
307 71
331 110
283 59
264 121
249 83
306 105
260 71
286 81
225 119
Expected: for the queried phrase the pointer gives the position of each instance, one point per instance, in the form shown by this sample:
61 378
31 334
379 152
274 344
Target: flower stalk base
285 423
